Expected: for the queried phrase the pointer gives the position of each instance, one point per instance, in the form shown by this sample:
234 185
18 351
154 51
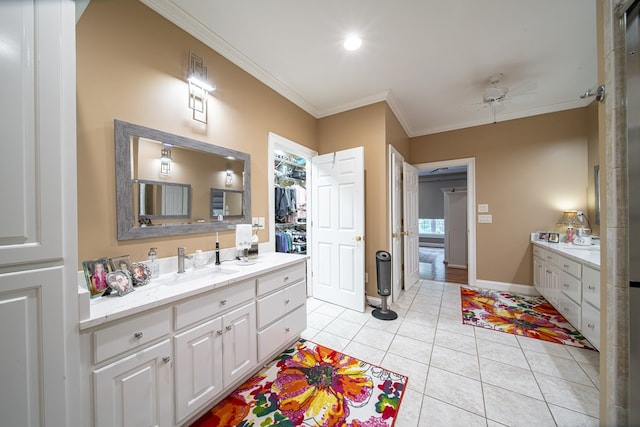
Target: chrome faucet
181 257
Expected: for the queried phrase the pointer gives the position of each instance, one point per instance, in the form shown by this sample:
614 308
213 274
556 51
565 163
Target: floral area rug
529 316
311 385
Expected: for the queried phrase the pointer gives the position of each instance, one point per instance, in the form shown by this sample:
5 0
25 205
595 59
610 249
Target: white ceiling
429 59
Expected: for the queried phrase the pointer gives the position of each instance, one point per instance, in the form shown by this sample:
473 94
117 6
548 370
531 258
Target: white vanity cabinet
546 274
212 356
572 285
282 313
136 389
133 388
166 364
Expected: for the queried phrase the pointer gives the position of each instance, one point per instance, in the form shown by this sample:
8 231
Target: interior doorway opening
447 221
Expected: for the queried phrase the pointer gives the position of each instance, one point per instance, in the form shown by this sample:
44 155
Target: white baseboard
507 287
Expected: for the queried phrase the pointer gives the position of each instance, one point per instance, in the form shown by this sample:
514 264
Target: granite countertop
172 287
589 255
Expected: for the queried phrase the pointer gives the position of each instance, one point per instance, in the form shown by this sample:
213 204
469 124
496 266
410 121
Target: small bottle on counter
199 260
153 264
569 234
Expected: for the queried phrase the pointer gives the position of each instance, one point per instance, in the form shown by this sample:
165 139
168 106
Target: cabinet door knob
219 332
286 329
286 301
228 328
566 265
590 325
166 359
566 285
223 302
286 278
137 335
591 288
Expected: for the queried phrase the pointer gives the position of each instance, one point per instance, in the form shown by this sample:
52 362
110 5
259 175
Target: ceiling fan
496 96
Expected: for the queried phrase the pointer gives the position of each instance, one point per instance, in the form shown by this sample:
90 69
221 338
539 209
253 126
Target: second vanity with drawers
568 276
165 353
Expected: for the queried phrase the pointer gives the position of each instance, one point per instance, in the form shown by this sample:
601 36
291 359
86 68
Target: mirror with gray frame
169 185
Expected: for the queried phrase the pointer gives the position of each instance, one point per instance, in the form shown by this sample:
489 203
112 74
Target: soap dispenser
154 265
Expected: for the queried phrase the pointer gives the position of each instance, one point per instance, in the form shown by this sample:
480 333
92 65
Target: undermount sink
212 271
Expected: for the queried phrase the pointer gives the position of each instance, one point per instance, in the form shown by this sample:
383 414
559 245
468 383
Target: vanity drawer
213 303
281 302
277 279
572 267
591 324
570 310
129 334
538 251
550 257
591 286
571 286
284 330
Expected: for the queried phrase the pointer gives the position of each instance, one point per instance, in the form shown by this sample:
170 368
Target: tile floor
460 375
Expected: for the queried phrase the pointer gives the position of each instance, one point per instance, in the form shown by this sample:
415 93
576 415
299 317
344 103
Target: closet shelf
279 162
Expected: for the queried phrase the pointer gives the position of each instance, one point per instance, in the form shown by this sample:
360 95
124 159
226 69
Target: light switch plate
485 219
483 207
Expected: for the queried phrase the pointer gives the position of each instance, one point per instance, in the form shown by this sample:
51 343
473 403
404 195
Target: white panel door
411 231
338 228
198 376
396 207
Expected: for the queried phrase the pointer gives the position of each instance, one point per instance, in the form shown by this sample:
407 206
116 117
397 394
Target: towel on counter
243 236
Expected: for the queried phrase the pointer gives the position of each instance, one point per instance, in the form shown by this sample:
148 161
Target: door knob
396 235
359 238
405 233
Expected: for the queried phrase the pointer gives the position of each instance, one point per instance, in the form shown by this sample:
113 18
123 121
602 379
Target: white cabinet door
552 284
198 373
37 218
135 390
239 342
538 270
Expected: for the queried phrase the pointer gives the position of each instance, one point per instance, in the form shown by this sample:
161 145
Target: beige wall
527 171
132 65
364 127
395 134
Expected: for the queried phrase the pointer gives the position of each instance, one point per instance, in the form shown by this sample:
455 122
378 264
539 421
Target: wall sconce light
165 161
229 178
199 88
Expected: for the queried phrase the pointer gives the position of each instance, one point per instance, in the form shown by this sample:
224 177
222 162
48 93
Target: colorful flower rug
528 316
311 385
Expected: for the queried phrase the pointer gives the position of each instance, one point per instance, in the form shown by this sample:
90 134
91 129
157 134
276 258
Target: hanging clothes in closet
290 204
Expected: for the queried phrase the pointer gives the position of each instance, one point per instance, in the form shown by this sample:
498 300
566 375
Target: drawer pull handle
287 329
591 288
566 309
223 302
138 335
286 301
166 359
566 285
566 265
286 278
219 331
591 326
228 328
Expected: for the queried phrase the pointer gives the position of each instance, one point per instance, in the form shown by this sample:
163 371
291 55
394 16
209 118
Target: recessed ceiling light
352 42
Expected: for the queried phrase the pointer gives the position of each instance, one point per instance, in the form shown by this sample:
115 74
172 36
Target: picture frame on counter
543 236
121 263
120 282
95 273
554 238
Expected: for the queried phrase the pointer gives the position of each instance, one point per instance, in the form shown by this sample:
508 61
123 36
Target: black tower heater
383 270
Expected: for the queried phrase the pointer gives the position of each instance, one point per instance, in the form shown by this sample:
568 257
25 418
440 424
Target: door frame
277 142
470 163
